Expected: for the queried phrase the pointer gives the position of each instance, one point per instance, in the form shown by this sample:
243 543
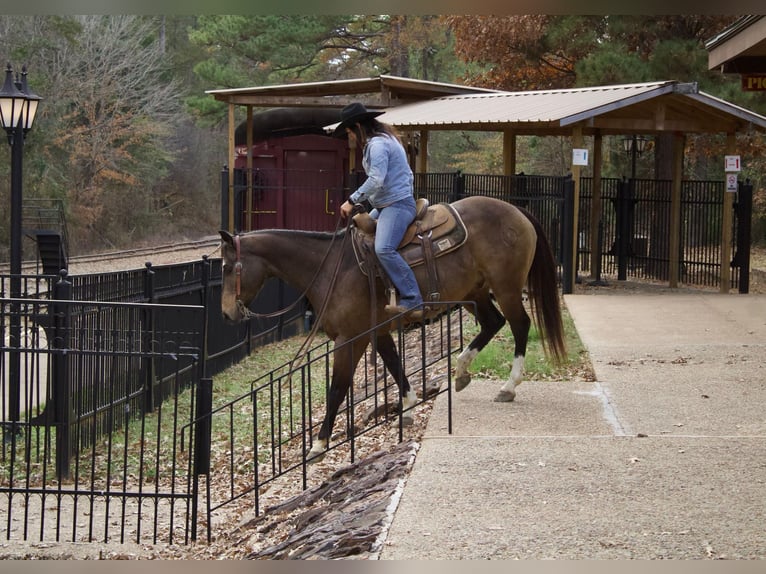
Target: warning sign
731 182
732 163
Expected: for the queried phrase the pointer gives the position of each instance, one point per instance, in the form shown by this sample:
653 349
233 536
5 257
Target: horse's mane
322 235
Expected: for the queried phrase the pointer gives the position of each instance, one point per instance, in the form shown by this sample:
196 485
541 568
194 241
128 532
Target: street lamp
633 146
18 106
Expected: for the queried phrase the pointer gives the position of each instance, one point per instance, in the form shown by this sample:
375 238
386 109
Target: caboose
297 175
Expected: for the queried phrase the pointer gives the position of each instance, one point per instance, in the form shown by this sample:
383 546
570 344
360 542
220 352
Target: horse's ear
226 236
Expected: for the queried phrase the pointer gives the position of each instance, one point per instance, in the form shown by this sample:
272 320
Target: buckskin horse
503 249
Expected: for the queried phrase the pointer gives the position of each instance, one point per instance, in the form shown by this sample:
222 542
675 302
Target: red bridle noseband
238 266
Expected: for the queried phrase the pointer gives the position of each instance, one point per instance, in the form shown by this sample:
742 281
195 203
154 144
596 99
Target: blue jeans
392 223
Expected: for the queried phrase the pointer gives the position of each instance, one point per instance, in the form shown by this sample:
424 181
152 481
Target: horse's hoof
408 420
505 396
462 382
315 456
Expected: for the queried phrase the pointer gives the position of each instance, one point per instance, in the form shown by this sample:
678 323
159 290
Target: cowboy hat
352 114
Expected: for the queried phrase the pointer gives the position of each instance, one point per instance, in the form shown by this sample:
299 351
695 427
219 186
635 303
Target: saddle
435 231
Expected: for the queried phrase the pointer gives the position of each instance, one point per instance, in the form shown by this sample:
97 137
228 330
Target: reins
247 313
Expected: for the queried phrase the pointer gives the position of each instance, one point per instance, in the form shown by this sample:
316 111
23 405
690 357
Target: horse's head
243 277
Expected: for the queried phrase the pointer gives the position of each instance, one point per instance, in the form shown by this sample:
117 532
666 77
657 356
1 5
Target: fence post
567 231
458 186
744 229
206 313
61 382
202 435
147 333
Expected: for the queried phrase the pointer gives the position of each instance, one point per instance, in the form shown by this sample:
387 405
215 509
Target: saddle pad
441 225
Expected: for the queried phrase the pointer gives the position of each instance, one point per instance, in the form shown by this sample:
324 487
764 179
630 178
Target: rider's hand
345 209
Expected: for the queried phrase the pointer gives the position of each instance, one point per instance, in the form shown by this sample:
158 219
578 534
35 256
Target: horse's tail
543 292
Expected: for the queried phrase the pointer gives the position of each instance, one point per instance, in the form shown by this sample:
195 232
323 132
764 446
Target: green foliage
496 359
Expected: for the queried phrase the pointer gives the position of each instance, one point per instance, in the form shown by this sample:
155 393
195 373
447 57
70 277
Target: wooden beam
232 153
249 165
576 169
423 152
509 152
726 223
675 210
595 206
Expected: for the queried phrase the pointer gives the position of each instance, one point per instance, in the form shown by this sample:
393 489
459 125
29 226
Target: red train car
299 175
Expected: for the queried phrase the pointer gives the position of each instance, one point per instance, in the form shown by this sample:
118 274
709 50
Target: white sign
579 156
733 163
731 182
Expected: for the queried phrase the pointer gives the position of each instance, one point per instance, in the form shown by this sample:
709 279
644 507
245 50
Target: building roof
740 48
626 108
380 92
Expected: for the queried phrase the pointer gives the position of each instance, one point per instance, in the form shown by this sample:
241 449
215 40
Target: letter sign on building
753 82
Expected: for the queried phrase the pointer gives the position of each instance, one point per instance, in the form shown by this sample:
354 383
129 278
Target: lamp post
633 146
18 106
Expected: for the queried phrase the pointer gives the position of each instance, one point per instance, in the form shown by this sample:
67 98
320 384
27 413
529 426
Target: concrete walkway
664 456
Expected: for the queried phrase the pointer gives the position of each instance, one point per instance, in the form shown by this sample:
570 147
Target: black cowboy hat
352 114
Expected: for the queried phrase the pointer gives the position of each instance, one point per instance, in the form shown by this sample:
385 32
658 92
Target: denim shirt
389 177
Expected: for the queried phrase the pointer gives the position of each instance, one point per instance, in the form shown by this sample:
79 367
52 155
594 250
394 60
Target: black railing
270 429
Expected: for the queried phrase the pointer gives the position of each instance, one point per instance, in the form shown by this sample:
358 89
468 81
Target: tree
115 103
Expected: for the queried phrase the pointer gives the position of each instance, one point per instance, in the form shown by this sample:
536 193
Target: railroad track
133 258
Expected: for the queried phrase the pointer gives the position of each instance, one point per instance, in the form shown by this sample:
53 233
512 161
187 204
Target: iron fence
265 434
635 231
91 452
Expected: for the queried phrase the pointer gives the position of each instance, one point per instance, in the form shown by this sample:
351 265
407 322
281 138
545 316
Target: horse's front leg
389 354
345 359
490 322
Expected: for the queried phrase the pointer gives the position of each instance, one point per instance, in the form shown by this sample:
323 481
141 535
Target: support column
726 221
509 152
423 152
595 205
674 254
231 168
576 169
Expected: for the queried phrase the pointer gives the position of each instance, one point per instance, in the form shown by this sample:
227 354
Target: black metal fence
93 442
92 391
635 231
269 430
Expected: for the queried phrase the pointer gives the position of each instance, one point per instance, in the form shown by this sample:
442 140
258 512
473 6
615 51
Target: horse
505 249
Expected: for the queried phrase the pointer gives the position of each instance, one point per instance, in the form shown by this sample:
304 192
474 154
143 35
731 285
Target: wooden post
675 210
423 152
509 152
249 165
231 168
726 220
576 169
595 205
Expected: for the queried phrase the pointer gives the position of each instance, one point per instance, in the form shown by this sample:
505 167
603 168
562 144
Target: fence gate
635 230
97 412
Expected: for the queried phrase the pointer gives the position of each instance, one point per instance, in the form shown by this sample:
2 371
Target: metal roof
382 91
740 48
625 108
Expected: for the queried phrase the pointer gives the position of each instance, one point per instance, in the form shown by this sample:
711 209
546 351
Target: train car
299 175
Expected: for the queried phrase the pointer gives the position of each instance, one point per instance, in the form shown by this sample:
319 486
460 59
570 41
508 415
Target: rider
389 190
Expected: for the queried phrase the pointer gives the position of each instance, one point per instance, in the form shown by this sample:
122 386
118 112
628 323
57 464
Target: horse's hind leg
389 354
512 306
490 322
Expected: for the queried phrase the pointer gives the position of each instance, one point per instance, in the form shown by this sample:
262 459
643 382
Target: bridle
245 310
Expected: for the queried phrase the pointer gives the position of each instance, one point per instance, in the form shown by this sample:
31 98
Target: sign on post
731 182
579 156
732 163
